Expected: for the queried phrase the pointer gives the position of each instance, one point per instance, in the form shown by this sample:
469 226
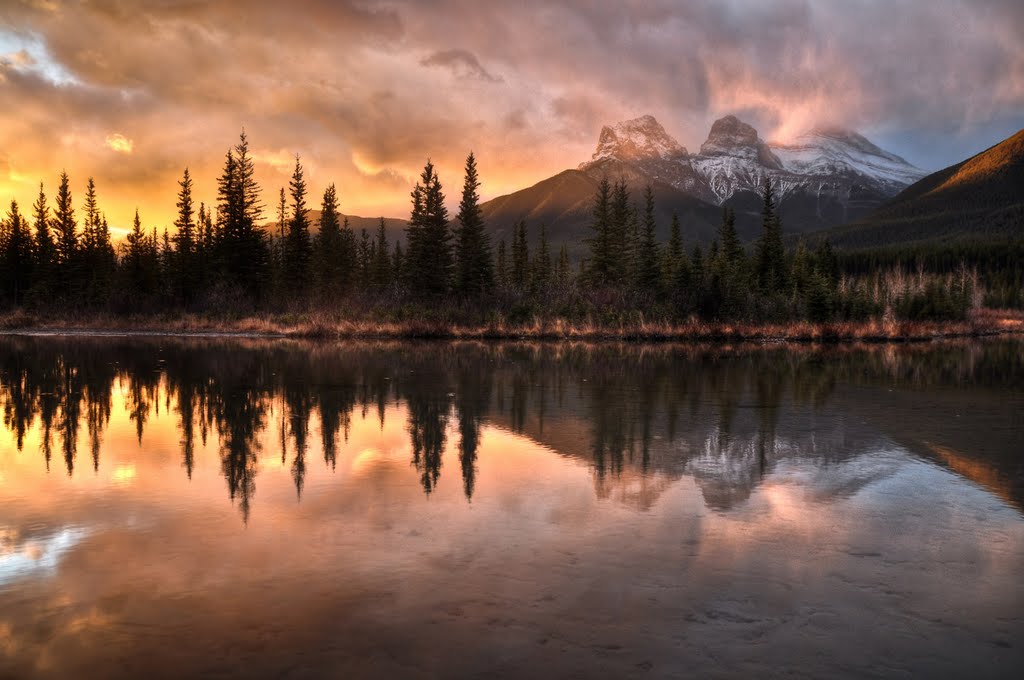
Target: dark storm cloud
365 90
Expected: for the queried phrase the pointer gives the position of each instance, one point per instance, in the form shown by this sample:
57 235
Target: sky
131 93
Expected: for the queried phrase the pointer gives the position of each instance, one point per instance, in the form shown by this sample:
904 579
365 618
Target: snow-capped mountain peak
831 150
641 138
730 136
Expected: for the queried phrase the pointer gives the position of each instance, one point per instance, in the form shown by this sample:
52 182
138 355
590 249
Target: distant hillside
564 203
981 198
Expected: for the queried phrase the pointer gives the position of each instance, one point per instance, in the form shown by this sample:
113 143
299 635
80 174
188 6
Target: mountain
981 197
825 177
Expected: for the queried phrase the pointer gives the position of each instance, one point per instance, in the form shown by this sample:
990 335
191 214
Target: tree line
221 258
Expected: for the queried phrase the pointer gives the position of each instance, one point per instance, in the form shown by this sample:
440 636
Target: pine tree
600 266
329 256
66 230
349 257
43 249
771 255
136 258
476 271
206 245
242 249
429 261
622 227
365 259
15 255
381 258
728 270
520 259
298 246
674 253
92 219
540 274
501 267
185 242
731 249
648 269
695 276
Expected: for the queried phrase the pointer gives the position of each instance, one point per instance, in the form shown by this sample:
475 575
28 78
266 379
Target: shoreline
981 323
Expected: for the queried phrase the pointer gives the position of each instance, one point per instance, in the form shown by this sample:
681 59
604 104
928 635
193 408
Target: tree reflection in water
711 412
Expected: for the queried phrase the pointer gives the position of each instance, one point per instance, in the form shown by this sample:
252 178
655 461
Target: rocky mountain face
824 177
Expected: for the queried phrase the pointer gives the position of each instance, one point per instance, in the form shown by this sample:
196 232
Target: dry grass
321 325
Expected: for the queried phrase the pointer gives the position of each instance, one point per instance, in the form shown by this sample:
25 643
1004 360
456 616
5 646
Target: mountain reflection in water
511 509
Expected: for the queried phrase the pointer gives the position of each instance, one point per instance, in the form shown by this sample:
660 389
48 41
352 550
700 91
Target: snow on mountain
825 175
732 137
831 151
642 138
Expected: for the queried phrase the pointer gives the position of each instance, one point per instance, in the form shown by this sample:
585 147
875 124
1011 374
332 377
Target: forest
232 259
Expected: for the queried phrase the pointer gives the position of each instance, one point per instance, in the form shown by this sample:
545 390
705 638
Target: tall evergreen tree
298 246
429 261
329 256
43 249
649 257
242 249
600 266
137 259
15 255
540 275
90 228
563 272
475 266
520 259
622 241
381 258
501 267
186 279
771 254
365 259
674 253
66 230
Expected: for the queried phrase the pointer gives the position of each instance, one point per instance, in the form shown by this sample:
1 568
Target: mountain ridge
827 177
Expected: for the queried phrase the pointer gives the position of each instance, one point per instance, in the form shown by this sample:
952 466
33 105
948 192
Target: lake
181 507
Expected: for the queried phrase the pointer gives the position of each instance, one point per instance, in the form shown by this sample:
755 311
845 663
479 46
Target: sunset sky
132 92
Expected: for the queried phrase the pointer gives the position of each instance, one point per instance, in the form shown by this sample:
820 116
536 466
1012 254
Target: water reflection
508 510
712 413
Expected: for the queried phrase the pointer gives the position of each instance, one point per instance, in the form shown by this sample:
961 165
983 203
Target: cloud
367 91
119 143
462 63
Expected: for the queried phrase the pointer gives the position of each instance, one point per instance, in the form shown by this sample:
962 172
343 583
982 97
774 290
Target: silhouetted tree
66 230
15 255
381 258
429 262
475 266
298 247
185 271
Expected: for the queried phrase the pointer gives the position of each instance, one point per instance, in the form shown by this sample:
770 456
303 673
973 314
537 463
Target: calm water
182 507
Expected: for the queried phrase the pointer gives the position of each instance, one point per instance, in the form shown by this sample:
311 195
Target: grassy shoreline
983 322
